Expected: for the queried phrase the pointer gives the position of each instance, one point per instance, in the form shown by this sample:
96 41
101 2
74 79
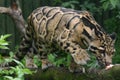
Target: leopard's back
51 22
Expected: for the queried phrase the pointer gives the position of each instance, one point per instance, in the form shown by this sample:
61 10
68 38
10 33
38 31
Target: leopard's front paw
77 69
46 64
81 57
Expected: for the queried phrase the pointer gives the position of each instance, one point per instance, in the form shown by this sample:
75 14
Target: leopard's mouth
109 66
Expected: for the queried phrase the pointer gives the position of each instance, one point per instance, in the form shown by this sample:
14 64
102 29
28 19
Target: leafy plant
118 16
3 42
64 61
57 2
37 61
70 4
90 6
110 4
13 73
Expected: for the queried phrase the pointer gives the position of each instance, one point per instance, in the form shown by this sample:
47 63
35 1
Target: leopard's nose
107 63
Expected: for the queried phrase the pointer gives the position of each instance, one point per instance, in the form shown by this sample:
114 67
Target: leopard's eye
113 52
102 51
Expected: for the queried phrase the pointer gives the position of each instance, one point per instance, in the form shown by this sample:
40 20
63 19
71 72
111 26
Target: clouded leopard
73 31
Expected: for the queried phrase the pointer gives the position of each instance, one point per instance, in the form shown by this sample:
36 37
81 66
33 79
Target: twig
15 12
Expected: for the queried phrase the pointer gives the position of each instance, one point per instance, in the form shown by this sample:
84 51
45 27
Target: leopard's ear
113 36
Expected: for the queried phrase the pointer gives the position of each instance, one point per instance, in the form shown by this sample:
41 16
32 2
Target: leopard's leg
79 55
29 58
43 55
46 64
74 67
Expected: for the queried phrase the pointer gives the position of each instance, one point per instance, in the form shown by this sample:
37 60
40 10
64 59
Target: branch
54 73
4 10
15 12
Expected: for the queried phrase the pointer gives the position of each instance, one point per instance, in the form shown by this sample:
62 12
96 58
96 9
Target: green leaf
3 47
70 4
3 42
60 61
5 36
103 0
19 63
18 79
11 54
9 77
37 61
69 58
114 3
26 71
51 57
105 5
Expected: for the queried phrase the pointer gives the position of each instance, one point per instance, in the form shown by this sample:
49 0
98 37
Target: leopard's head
103 48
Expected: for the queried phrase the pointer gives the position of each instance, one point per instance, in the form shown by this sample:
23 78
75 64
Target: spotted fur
73 31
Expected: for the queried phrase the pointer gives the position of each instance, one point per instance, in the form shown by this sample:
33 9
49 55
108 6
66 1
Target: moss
64 74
